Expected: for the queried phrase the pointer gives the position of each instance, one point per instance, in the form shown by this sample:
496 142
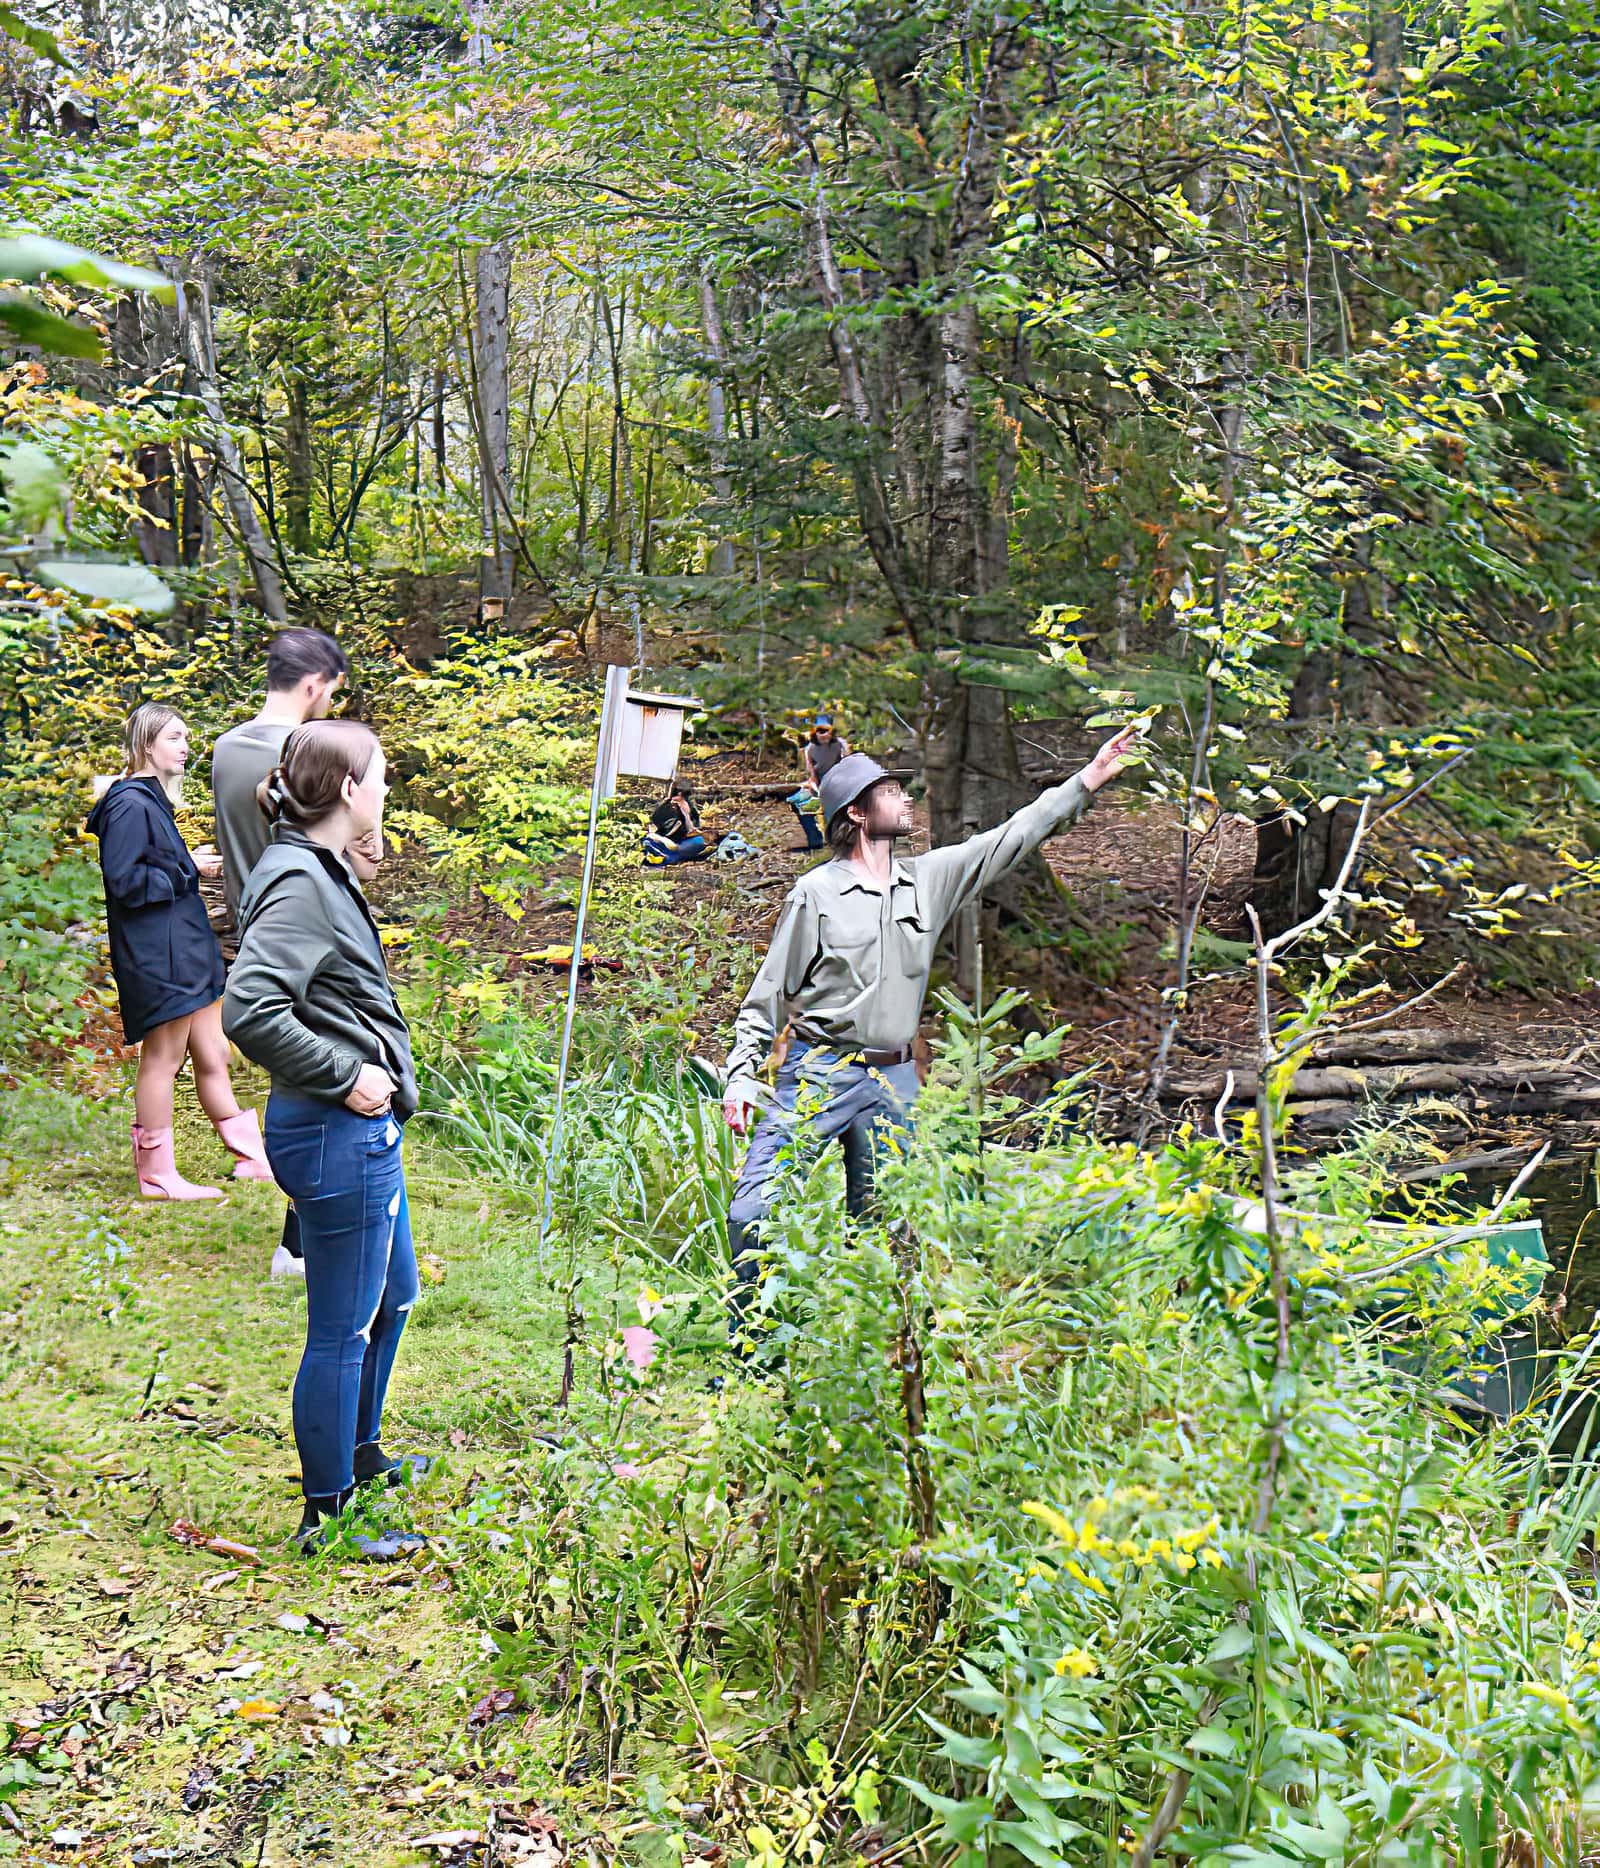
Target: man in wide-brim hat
848 971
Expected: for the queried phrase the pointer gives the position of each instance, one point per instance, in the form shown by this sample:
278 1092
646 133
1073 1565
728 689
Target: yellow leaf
259 1709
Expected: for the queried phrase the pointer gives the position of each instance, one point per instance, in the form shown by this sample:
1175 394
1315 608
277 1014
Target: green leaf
34 486
32 256
35 38
30 323
128 586
1230 1645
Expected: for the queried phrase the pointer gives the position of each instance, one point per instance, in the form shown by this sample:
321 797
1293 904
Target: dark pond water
1563 1196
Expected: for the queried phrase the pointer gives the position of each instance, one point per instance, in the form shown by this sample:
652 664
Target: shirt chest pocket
852 947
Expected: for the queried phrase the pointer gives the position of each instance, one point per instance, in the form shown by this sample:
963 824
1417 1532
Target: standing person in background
305 670
165 958
823 751
309 1000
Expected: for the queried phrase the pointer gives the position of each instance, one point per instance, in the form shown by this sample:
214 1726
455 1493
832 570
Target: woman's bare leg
160 1060
208 1051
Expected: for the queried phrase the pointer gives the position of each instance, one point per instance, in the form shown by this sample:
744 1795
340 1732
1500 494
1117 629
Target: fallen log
1425 1043
1550 1079
1477 1162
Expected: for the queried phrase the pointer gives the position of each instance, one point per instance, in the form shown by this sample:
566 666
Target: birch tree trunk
926 511
492 358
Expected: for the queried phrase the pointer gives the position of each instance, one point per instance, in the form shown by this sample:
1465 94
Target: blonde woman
165 958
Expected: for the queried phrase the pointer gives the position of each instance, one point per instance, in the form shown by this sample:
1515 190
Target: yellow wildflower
1076 1662
1159 1547
1213 1557
1052 1520
1089 1582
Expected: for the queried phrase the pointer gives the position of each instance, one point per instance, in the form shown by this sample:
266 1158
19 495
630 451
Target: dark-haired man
305 670
848 971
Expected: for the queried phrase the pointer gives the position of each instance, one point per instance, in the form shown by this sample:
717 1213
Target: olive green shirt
850 959
242 757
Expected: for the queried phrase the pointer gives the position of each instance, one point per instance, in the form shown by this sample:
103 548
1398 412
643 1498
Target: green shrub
50 911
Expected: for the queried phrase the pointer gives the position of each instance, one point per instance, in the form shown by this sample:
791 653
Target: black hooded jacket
164 956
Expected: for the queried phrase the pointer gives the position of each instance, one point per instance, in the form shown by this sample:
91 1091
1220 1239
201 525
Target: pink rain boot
159 1178
241 1134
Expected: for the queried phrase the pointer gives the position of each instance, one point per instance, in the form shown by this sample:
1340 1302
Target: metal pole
615 678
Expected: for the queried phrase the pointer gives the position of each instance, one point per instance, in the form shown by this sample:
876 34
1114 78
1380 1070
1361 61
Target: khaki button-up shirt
850 959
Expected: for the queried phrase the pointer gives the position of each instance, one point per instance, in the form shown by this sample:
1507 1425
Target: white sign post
640 735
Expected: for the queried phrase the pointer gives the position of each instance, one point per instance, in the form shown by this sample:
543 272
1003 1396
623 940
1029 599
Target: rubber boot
159 1178
241 1136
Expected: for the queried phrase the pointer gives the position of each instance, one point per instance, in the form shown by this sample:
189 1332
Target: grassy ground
167 1703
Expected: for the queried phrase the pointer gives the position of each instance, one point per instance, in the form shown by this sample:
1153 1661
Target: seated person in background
674 835
823 751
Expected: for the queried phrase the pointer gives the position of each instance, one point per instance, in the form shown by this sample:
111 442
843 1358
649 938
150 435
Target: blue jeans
822 1096
346 1178
664 850
811 824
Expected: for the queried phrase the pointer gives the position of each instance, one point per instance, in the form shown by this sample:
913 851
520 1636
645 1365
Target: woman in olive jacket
165 958
309 999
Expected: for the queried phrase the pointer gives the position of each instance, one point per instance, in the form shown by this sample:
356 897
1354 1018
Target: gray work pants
822 1096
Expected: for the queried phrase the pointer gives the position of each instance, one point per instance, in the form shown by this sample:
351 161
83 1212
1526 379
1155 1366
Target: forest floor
165 1703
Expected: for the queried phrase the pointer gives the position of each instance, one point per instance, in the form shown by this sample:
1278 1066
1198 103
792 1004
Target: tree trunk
492 360
299 469
717 426
1296 863
157 530
191 542
194 329
137 348
440 379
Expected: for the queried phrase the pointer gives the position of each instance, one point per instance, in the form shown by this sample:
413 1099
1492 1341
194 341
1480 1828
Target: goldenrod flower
1078 1663
1053 1521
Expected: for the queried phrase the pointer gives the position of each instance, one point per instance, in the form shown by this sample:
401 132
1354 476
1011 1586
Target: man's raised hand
1111 758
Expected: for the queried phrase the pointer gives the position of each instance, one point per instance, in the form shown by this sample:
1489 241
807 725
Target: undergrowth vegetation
992 1546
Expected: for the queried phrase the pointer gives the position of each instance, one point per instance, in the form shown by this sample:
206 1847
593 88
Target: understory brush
1016 1535
50 911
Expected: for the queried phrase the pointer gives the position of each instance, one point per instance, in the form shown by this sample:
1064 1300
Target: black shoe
322 1529
373 1466
327 1534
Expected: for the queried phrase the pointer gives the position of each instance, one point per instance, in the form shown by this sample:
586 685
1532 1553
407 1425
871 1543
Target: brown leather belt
885 1060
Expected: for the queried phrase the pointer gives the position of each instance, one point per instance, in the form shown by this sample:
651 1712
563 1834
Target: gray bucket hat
844 784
